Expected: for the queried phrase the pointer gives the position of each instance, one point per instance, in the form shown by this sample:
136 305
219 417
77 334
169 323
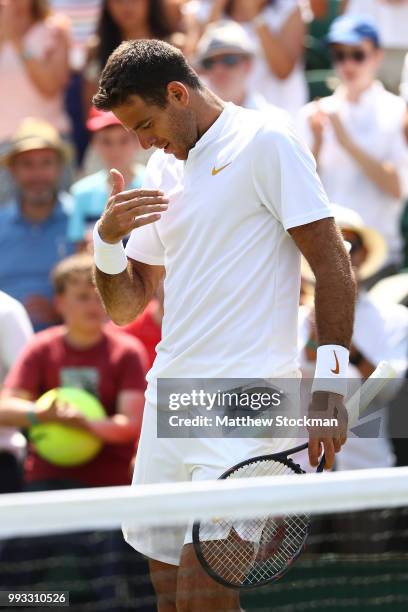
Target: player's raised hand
127 210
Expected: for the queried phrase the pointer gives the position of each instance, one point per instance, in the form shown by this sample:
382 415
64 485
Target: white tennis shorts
164 460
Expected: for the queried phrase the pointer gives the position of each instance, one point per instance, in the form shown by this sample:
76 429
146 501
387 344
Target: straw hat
33 135
348 219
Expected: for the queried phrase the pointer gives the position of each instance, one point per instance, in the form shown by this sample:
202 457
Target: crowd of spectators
335 70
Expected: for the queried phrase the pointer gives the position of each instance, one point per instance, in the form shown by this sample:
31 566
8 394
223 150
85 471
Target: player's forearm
335 296
123 295
116 430
335 293
383 174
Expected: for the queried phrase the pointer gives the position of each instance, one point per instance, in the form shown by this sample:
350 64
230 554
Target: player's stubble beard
184 131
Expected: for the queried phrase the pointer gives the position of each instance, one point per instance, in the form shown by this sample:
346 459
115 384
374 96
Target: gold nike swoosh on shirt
216 171
337 368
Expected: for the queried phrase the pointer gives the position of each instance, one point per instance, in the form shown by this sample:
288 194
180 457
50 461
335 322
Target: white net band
179 503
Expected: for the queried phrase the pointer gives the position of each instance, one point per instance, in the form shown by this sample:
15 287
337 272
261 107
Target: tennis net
356 556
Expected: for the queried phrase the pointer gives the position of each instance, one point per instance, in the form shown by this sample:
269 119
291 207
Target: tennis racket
242 554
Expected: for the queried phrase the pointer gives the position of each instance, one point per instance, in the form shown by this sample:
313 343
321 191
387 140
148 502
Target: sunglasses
229 60
357 55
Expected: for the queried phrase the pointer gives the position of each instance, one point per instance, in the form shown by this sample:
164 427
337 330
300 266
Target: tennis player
230 200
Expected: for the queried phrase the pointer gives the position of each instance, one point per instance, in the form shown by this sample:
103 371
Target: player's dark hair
143 68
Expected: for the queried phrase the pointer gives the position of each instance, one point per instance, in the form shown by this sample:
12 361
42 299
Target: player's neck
83 339
208 108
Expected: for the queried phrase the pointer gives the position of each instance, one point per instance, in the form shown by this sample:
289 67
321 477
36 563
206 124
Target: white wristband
109 258
331 369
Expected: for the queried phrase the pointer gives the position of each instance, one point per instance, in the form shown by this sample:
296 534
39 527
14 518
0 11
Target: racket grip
321 465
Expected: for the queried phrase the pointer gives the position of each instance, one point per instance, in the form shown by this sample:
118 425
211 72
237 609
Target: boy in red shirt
81 353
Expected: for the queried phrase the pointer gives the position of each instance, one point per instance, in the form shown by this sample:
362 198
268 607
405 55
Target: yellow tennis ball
62 445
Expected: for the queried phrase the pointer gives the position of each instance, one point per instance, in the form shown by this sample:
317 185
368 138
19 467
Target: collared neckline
213 131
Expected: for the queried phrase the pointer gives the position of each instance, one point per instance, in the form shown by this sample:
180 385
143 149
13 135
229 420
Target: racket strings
246 552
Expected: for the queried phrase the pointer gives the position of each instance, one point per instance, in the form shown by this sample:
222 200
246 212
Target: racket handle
321 465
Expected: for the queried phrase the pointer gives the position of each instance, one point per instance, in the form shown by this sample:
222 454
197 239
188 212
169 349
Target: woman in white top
33 67
277 30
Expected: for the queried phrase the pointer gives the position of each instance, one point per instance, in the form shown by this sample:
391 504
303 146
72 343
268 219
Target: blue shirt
29 250
90 197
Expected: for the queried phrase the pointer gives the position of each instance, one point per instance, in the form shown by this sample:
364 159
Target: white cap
224 36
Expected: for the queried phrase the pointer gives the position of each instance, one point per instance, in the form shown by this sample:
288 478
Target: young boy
116 147
81 353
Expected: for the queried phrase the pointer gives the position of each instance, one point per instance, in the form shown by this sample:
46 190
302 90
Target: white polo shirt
231 291
375 123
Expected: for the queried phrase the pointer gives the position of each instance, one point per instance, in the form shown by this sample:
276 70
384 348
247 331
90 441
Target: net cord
179 503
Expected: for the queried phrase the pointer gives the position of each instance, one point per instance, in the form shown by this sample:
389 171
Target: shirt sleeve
26 373
285 178
144 243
